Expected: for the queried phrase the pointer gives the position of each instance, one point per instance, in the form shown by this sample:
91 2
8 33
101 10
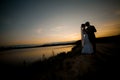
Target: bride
87 47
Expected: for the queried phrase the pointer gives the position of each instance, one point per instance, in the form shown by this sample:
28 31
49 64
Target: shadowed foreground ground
70 66
103 65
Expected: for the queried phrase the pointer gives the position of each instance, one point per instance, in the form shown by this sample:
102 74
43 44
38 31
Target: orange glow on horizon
110 29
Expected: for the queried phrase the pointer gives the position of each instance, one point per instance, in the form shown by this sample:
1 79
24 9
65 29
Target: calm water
18 56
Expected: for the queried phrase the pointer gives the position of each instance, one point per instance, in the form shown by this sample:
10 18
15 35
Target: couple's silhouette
88 38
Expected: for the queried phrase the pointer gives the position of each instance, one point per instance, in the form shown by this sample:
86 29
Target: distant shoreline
111 39
36 46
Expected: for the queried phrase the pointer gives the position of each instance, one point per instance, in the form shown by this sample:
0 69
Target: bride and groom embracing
88 38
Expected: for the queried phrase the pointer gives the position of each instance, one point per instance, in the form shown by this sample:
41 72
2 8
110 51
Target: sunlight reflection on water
18 56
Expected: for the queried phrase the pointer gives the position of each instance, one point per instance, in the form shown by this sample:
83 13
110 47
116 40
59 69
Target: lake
29 55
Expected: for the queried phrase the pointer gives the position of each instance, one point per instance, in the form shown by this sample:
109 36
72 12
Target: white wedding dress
87 47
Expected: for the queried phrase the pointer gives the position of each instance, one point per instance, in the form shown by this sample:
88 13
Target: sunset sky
46 21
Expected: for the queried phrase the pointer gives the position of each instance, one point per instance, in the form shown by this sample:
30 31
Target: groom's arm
91 29
94 29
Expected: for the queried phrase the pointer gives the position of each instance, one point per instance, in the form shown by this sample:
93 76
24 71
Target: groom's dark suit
90 31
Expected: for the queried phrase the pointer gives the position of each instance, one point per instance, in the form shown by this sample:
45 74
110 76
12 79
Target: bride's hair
83 28
82 25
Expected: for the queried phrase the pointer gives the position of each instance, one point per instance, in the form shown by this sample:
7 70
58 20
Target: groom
90 31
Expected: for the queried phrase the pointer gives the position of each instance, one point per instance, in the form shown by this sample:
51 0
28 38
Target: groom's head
87 23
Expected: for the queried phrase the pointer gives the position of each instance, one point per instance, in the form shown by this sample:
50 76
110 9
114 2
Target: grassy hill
74 66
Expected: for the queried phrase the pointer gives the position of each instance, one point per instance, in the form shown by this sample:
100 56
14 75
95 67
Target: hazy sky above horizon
45 21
